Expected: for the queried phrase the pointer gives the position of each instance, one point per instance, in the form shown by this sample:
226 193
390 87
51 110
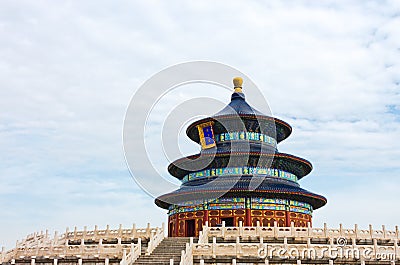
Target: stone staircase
169 248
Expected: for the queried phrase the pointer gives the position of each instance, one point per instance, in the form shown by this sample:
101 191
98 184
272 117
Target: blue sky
69 68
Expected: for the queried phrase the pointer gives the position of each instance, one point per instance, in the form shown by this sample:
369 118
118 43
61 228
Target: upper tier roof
239 107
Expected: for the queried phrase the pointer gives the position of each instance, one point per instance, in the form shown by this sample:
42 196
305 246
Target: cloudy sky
68 70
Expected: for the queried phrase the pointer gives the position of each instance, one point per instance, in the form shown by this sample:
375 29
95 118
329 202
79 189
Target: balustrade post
396 248
309 230
331 262
148 229
132 249
33 260
107 230
55 261
140 245
75 230
133 230
384 231
124 254
266 262
397 231
258 228
341 229
241 228
233 261
80 261
375 242
95 230
371 231
120 230
356 230
171 261
202 262
214 247
55 240
106 261
275 229
298 262
84 232
292 229
238 250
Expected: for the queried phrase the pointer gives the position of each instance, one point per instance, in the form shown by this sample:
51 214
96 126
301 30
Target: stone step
169 248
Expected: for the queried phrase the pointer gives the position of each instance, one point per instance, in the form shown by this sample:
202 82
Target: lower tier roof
244 186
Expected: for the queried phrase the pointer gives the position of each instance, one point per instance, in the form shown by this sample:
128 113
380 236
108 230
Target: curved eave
176 167
283 129
179 196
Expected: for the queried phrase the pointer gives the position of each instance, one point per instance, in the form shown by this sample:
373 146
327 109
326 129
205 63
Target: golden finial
237 82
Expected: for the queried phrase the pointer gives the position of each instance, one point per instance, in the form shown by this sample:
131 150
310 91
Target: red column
248 217
205 217
287 218
176 225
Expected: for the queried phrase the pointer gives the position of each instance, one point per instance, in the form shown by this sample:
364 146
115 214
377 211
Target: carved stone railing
187 254
133 255
155 239
81 244
285 251
298 232
108 233
114 250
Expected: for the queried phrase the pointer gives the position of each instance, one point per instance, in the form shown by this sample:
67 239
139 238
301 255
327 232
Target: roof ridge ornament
237 82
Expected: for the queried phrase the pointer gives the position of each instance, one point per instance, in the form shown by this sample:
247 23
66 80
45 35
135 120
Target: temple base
189 224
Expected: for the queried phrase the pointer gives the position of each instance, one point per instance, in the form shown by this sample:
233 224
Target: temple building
239 177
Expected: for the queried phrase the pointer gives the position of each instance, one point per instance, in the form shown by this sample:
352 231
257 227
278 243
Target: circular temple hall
239 177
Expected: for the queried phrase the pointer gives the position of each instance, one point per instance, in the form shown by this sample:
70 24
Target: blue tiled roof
238 105
242 185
